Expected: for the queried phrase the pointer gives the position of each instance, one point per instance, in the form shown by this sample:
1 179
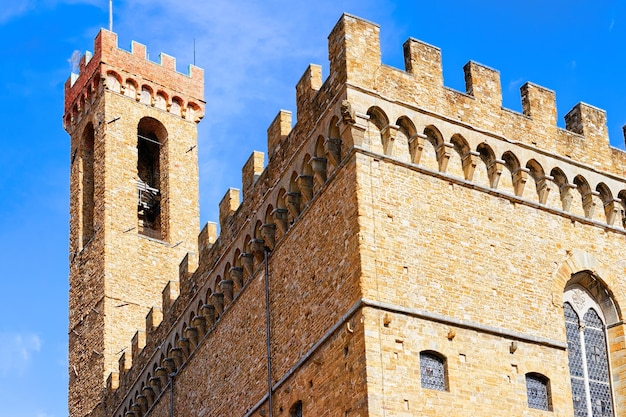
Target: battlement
408 120
132 74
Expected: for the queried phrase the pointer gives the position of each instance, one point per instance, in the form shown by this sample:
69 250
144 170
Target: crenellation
354 51
423 61
483 83
170 294
167 61
228 206
138 49
278 131
206 239
251 171
153 319
137 344
382 156
186 268
307 88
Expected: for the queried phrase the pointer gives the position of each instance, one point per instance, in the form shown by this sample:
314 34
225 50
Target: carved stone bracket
199 322
208 312
178 355
162 374
191 334
565 190
389 134
319 170
589 203
332 148
305 184
268 231
416 146
217 299
494 170
544 187
148 391
292 201
520 176
469 161
169 365
257 246
614 210
281 219
444 151
236 274
226 285
155 383
247 262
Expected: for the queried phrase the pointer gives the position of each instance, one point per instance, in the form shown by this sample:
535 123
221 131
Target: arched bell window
151 184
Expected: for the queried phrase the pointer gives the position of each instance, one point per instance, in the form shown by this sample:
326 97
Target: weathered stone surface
401 217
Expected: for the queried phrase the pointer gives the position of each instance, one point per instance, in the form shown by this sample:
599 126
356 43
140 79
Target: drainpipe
172 375
266 252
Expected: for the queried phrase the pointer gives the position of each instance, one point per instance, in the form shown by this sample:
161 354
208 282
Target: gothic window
433 371
538 391
587 355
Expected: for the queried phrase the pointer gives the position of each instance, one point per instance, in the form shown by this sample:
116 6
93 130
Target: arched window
151 185
433 371
538 391
87 184
587 353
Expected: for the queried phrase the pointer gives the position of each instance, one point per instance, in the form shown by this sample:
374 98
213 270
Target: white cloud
17 349
514 84
14 9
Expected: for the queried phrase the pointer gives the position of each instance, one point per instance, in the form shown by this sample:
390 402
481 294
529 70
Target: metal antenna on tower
111 15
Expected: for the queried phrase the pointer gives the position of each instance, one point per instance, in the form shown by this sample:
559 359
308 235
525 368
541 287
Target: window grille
432 371
537 392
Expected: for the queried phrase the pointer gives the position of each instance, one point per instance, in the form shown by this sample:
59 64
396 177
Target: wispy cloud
612 25
514 84
17 349
246 48
14 9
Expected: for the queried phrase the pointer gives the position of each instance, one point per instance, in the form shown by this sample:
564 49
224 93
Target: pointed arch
458 154
377 122
484 171
428 157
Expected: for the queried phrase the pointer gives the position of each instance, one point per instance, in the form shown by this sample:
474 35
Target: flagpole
111 15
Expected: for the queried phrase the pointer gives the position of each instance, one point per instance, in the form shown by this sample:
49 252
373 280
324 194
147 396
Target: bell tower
134 211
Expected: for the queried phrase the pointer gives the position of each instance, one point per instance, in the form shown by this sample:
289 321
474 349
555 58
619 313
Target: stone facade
399 221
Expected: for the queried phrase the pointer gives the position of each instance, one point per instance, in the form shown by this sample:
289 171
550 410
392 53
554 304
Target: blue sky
253 53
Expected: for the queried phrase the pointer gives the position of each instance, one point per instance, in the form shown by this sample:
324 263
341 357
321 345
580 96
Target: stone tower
133 202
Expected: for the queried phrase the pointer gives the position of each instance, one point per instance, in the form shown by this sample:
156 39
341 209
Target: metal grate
432 371
537 392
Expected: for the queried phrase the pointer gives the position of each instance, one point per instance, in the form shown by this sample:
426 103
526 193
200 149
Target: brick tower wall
119 274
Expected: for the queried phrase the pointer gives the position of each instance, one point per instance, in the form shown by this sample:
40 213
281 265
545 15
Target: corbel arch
377 122
428 157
